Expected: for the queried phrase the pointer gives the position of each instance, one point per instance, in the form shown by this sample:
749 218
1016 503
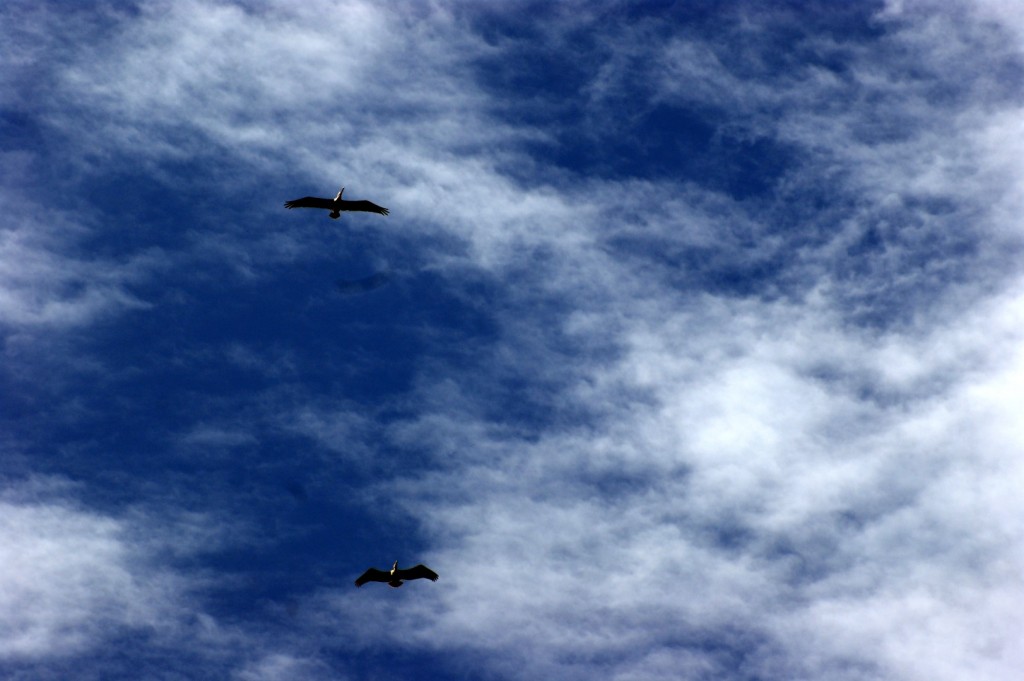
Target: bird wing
373 575
417 572
310 202
367 206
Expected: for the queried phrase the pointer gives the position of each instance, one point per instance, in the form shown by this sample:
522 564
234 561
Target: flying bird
395 577
336 205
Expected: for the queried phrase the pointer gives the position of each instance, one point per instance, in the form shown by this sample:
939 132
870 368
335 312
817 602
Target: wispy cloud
42 284
73 579
755 498
714 420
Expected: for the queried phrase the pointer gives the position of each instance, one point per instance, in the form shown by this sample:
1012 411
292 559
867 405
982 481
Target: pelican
395 577
336 205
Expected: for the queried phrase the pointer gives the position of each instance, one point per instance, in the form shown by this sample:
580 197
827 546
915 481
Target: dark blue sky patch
673 143
396 663
20 131
662 142
362 285
357 352
627 134
323 543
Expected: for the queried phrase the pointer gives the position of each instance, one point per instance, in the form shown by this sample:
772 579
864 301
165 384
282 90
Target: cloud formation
73 580
709 370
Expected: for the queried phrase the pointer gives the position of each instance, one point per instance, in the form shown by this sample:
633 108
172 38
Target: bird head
394 567
338 197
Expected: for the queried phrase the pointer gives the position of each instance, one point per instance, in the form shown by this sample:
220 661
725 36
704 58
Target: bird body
336 205
395 577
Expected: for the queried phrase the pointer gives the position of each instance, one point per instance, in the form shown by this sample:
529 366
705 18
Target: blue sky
690 349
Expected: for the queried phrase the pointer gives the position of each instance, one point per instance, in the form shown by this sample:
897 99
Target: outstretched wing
417 572
373 575
310 202
367 206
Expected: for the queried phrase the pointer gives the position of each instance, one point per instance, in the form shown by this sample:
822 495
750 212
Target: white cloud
284 667
80 588
71 579
841 533
300 81
42 285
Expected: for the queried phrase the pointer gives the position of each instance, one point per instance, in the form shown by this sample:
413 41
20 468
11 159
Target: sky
692 347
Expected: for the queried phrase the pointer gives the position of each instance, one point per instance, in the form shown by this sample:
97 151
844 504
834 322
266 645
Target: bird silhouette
336 205
395 577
